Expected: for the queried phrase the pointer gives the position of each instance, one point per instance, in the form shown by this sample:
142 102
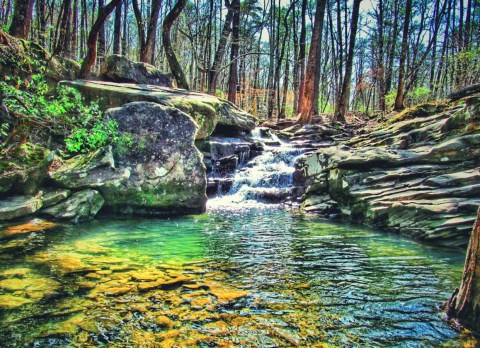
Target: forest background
273 58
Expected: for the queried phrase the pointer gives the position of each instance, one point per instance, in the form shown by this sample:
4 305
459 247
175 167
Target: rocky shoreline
418 176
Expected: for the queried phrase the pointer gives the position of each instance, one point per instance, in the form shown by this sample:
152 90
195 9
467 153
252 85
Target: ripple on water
254 278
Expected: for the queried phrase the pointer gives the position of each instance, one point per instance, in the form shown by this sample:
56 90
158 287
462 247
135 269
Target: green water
259 278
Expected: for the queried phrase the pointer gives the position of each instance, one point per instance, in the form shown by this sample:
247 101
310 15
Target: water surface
256 278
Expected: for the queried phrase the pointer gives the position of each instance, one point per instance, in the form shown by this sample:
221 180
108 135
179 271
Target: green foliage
420 95
65 113
390 99
82 139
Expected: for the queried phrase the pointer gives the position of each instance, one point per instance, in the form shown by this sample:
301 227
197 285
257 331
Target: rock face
419 176
80 206
157 169
119 68
207 111
19 206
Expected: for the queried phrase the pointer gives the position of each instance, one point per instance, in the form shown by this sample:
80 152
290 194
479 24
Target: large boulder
119 68
208 111
167 175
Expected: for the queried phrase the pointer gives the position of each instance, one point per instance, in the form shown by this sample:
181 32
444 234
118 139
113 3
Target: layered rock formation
207 111
418 176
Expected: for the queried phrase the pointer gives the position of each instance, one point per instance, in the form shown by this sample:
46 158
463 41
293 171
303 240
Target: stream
245 274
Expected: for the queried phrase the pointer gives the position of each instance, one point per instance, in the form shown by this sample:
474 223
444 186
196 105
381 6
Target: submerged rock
118 68
167 175
208 111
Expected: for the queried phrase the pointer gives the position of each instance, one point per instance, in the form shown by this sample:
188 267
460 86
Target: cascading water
266 178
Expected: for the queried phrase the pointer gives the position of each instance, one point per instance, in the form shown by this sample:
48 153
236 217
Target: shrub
40 115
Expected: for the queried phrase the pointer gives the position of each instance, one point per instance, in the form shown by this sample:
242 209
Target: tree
342 103
22 18
233 71
91 56
399 100
64 38
301 54
146 39
312 75
175 67
220 51
117 31
464 304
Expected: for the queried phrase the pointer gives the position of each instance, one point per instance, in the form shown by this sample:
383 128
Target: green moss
421 110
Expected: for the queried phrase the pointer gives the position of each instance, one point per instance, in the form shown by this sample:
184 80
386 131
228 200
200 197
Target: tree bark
117 30
91 56
175 67
464 304
301 54
63 42
219 53
102 40
342 104
399 100
233 73
22 18
312 75
146 39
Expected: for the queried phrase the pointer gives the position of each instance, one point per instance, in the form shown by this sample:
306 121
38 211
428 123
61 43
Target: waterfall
263 181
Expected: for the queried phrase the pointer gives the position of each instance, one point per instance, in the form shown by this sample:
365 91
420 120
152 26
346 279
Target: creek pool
255 278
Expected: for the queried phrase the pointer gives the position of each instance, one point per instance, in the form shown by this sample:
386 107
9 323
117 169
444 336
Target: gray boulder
167 175
207 111
119 68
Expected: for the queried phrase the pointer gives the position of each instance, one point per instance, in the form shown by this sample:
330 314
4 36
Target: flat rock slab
19 206
208 111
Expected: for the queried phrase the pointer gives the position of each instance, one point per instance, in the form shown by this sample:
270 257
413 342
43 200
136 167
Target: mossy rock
421 110
206 110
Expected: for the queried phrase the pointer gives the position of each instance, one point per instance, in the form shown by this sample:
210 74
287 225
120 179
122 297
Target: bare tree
175 67
312 75
91 56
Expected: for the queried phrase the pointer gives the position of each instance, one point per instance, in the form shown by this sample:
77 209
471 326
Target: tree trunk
342 105
399 100
301 54
22 18
312 75
233 73
175 67
91 56
102 41
117 30
464 304
63 42
219 53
